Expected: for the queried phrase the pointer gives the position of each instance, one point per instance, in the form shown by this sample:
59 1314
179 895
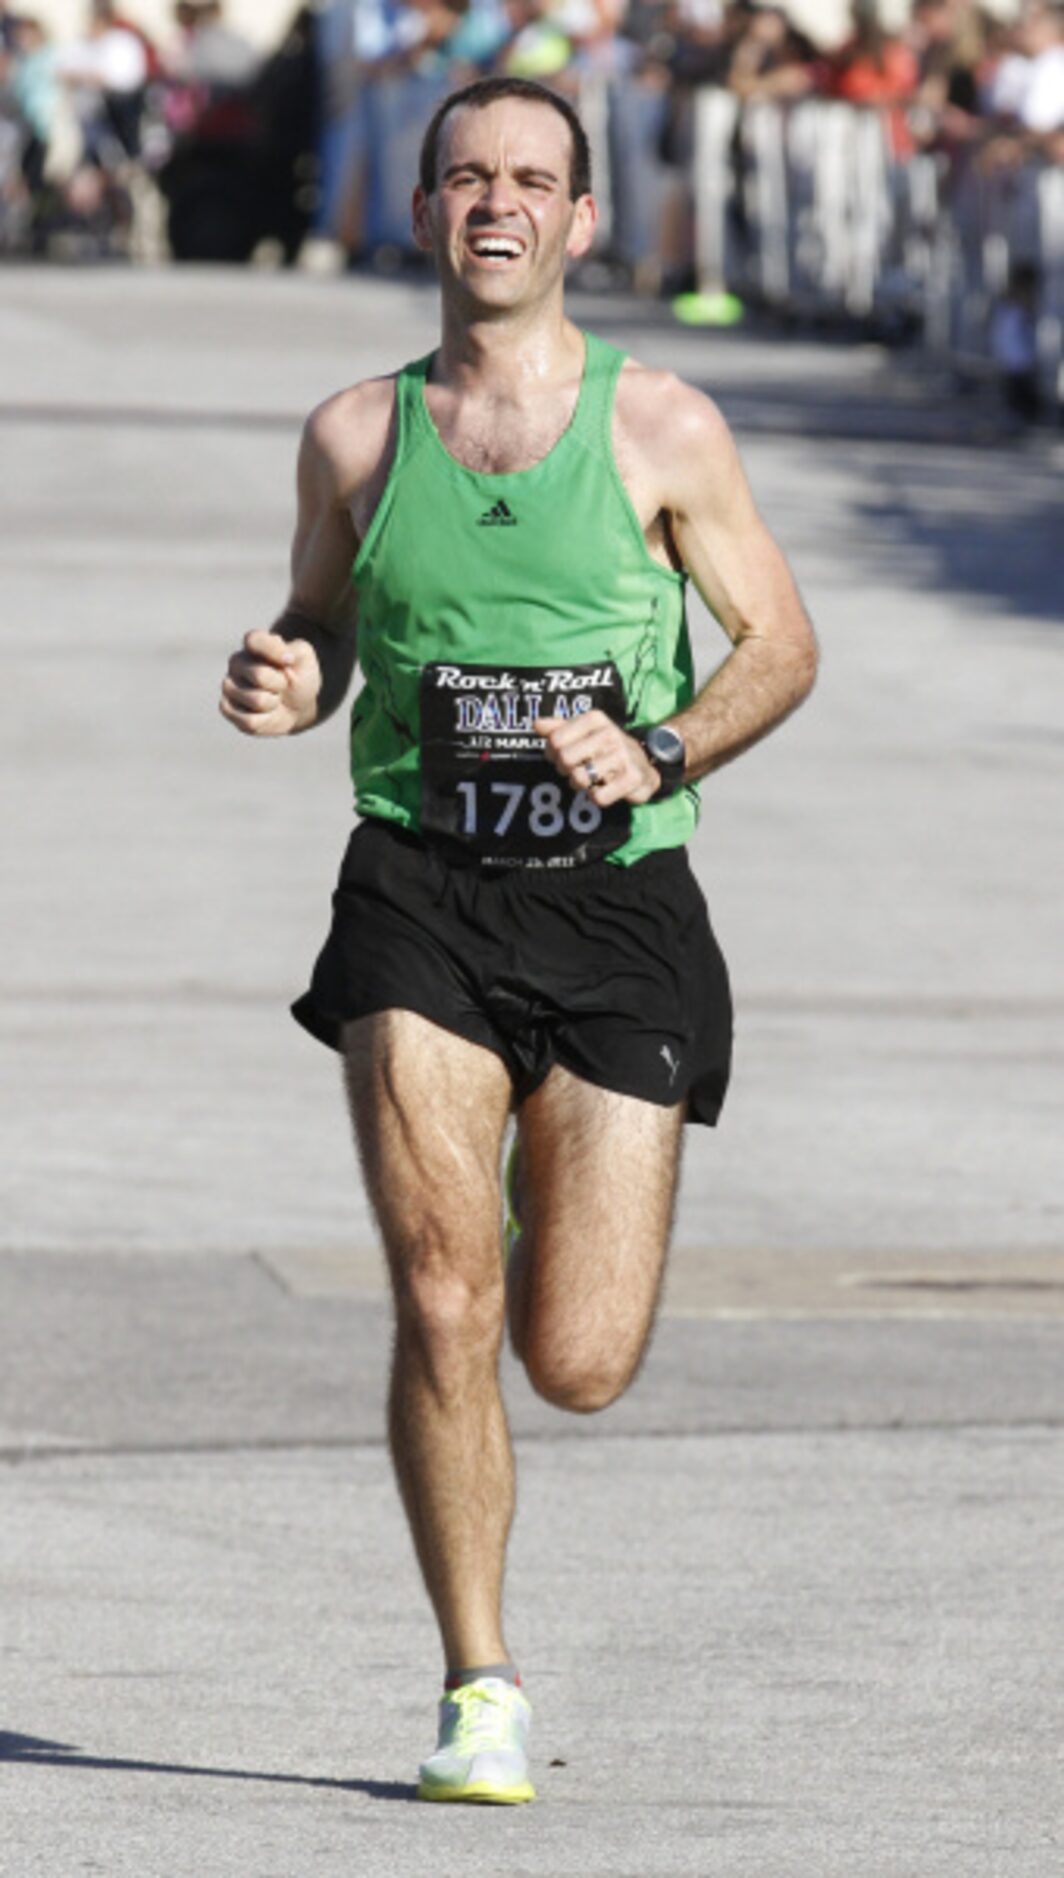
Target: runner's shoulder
348 435
661 410
678 436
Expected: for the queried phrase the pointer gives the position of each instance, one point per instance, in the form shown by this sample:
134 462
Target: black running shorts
611 971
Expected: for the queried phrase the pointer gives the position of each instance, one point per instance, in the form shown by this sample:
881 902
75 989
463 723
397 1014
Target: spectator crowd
955 75
91 129
82 123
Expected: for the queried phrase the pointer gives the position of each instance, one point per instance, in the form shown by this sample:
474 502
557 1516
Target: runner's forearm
758 685
335 652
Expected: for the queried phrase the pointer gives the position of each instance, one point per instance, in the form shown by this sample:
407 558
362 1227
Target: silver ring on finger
593 777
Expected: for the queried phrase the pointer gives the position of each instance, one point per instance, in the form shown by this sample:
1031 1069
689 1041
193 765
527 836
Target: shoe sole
479 1792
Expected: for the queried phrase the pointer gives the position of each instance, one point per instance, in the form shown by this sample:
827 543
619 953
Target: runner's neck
514 361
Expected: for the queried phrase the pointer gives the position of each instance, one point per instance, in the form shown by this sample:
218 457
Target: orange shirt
889 84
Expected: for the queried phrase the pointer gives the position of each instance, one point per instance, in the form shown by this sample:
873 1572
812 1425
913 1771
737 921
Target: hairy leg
596 1185
429 1111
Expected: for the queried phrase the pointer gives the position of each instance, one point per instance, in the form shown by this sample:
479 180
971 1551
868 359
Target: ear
582 232
421 220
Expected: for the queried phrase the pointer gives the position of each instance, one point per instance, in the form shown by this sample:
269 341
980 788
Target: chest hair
498 440
502 439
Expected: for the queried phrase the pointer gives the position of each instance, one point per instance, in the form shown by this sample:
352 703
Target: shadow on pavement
994 536
27 1748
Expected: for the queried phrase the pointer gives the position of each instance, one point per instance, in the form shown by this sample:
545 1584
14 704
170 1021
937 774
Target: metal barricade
592 103
767 198
793 206
716 251
1051 314
807 209
1001 240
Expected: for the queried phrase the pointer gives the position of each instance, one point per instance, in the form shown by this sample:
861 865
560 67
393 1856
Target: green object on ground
708 309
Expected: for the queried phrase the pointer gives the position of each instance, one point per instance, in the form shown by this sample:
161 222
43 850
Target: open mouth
501 248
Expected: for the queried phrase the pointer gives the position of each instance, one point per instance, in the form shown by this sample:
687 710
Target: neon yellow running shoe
482 1753
511 1231
708 309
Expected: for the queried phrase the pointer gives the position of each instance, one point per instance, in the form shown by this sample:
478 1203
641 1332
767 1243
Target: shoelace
482 1718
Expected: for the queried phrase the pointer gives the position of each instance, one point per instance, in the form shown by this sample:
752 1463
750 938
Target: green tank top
487 600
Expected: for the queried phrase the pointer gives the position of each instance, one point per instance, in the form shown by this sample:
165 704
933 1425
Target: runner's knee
569 1380
451 1314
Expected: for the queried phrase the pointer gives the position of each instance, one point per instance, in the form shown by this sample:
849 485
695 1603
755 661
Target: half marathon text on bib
485 780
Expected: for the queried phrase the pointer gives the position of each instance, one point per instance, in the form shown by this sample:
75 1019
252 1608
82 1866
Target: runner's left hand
622 767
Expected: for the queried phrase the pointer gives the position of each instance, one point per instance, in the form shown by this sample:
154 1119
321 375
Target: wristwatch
665 748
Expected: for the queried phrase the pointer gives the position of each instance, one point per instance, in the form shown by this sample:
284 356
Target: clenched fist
272 685
594 754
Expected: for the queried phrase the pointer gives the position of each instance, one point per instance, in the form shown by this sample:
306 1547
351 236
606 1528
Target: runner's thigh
598 1179
429 1109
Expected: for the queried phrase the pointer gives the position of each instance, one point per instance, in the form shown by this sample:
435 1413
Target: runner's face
501 221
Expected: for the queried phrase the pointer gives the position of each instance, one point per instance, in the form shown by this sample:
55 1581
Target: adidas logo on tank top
500 516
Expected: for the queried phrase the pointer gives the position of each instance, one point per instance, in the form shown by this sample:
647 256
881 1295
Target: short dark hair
483 92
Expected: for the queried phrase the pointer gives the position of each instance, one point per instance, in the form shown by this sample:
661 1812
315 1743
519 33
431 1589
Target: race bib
485 781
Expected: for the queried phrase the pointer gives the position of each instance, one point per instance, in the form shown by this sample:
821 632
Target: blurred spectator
594 29
209 52
876 68
385 33
692 38
466 35
153 60
8 27
287 96
1005 72
35 90
107 72
539 46
949 40
1027 86
1026 93
1042 38
1014 342
770 58
244 168
456 37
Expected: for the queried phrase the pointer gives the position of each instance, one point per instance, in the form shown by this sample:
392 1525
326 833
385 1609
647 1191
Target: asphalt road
793 1609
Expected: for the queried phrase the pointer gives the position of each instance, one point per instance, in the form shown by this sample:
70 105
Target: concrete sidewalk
794 1606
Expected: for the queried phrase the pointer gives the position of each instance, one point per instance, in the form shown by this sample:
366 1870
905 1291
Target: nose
498 195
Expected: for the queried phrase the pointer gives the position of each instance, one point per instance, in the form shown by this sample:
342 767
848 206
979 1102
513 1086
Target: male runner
516 929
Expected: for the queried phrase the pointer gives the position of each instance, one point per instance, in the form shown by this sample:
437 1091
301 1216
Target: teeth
506 249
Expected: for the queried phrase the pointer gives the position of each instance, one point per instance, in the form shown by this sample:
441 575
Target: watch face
665 745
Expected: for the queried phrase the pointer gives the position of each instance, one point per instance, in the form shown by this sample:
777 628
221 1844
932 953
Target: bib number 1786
544 809
487 783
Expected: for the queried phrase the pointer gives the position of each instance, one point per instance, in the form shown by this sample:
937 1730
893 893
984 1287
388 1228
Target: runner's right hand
272 685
